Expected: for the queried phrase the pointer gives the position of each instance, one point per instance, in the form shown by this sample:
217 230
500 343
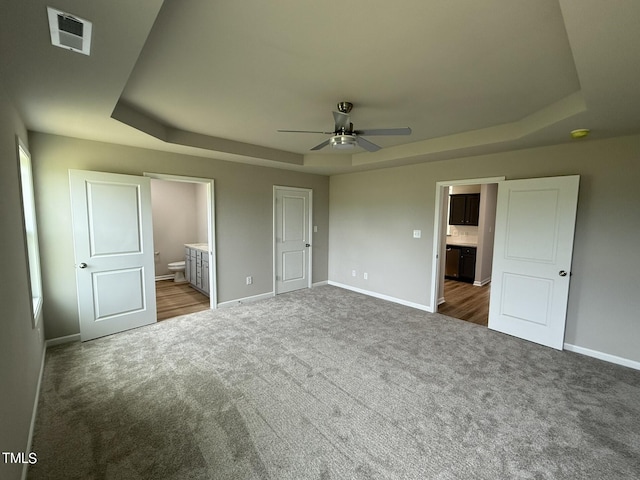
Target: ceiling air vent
69 31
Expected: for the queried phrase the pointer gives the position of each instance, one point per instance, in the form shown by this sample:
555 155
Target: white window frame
30 228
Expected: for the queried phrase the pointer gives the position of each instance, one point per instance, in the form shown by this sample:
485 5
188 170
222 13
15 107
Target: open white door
292 212
113 243
535 222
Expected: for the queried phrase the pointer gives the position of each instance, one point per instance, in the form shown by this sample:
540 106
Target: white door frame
438 230
211 225
310 226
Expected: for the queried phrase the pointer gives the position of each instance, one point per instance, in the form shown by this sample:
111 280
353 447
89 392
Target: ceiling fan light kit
344 137
343 142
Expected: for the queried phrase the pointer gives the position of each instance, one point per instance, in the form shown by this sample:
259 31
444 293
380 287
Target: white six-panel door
113 242
292 213
535 221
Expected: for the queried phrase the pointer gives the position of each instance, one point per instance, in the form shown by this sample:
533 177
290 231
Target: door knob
307 245
562 273
82 265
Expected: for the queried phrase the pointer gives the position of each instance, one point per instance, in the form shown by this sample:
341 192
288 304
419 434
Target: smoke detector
580 133
69 31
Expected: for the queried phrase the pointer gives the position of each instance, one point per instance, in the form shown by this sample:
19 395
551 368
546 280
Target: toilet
178 269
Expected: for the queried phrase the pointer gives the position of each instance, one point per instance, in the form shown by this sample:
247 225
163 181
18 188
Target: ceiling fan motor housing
345 107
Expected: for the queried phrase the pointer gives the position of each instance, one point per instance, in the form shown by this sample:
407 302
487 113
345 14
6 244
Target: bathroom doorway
183 214
461 279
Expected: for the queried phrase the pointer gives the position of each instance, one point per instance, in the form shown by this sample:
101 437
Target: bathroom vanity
196 261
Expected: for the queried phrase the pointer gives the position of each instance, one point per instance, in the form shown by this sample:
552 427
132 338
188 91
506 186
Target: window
31 232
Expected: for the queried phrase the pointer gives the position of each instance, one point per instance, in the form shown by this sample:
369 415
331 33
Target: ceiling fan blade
384 131
305 131
367 145
321 145
343 121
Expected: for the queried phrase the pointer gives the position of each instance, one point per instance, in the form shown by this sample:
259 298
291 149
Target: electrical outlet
353 273
365 276
417 233
249 280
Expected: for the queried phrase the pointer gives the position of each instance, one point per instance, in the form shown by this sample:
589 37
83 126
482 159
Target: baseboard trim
441 300
60 340
319 284
482 283
34 412
625 362
382 296
239 301
164 277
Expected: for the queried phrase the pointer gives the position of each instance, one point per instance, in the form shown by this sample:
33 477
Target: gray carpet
330 384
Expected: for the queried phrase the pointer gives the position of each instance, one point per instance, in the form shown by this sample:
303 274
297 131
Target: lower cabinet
197 269
460 263
205 274
468 264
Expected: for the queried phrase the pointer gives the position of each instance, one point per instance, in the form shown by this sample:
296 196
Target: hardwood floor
462 300
466 302
174 299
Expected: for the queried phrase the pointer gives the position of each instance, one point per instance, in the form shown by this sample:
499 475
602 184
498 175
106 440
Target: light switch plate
417 233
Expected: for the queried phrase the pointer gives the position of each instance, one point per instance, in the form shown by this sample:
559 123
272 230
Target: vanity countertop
198 246
460 244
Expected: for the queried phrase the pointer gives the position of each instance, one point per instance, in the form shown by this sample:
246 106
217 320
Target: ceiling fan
345 137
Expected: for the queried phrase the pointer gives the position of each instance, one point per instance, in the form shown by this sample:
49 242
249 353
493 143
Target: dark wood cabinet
472 214
452 263
464 209
457 209
467 264
460 263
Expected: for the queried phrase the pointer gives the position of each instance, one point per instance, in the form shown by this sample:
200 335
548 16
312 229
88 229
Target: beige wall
175 221
202 224
488 203
21 346
244 216
374 213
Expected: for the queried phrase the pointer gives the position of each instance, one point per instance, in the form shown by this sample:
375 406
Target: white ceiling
218 78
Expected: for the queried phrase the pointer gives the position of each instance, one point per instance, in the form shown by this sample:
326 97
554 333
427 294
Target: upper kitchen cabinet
464 209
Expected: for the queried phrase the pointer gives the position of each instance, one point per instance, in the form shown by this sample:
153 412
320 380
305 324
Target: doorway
531 270
183 214
464 248
292 245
